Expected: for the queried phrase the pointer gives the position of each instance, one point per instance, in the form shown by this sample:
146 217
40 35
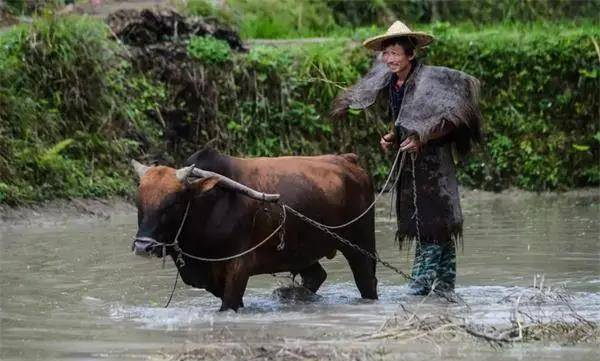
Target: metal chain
321 225
387 181
373 255
413 156
281 244
327 229
173 289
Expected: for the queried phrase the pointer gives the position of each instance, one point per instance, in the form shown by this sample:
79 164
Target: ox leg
313 277
217 291
363 269
235 286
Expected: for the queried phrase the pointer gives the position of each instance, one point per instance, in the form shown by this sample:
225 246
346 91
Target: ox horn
235 186
140 169
183 173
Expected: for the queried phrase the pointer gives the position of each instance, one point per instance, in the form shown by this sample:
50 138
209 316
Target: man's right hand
387 141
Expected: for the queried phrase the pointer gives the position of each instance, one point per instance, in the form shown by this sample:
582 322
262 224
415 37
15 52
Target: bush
62 111
540 99
209 50
269 18
309 18
383 12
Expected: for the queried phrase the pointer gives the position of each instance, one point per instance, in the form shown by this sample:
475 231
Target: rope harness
179 261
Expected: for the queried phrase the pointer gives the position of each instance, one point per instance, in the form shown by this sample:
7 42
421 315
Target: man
435 110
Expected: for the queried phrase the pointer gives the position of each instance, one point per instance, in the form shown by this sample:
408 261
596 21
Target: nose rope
180 253
174 244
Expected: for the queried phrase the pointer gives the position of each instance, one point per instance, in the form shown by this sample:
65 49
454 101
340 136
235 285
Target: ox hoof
295 294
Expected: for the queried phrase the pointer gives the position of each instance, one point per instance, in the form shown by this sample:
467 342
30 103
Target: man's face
396 59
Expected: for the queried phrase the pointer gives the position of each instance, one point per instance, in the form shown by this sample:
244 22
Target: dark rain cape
433 96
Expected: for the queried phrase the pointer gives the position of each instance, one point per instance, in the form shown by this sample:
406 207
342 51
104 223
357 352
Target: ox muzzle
147 247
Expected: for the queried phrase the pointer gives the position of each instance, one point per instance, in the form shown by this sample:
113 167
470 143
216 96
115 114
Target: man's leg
425 268
447 268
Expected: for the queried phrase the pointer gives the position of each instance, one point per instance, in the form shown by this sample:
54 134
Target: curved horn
235 186
183 173
140 169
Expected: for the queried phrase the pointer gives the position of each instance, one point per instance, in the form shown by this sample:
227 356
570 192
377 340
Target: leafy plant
209 50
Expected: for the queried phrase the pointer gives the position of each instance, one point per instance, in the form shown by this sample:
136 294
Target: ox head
164 193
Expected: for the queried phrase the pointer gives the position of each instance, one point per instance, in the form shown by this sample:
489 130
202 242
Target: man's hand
410 144
387 141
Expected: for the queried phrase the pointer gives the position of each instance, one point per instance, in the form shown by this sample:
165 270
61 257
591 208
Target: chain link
373 255
281 244
413 157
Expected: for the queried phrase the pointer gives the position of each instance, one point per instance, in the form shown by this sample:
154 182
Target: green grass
63 111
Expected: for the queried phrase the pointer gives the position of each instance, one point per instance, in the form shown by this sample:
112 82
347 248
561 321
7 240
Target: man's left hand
410 144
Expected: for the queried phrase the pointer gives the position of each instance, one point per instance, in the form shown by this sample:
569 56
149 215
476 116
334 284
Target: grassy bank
75 107
308 18
68 108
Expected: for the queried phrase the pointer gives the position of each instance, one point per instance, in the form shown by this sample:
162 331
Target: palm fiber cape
433 96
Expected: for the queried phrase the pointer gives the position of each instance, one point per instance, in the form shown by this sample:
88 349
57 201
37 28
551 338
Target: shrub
63 111
209 50
540 97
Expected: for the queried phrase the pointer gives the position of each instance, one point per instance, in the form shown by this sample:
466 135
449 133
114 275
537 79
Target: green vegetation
209 50
270 18
63 118
540 98
310 18
482 12
74 109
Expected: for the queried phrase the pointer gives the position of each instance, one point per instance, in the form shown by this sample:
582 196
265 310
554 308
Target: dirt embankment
63 211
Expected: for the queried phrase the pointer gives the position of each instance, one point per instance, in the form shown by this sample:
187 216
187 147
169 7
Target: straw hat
398 29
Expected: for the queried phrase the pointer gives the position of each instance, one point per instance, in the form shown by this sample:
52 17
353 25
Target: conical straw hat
398 29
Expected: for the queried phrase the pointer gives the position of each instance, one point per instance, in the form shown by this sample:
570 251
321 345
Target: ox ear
140 169
206 184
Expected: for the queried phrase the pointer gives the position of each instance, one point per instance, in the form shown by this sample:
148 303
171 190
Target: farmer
434 111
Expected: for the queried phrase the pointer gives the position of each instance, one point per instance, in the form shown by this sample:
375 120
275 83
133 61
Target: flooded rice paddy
71 289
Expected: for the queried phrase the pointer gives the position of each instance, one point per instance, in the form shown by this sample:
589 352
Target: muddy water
72 290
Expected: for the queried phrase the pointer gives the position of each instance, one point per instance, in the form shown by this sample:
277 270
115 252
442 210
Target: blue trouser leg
425 268
434 264
447 268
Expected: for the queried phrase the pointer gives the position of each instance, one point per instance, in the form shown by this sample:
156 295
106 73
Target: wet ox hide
331 189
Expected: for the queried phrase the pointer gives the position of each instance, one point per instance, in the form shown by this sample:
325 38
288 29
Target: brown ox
222 221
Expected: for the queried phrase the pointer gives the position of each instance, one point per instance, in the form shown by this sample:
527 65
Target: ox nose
143 246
